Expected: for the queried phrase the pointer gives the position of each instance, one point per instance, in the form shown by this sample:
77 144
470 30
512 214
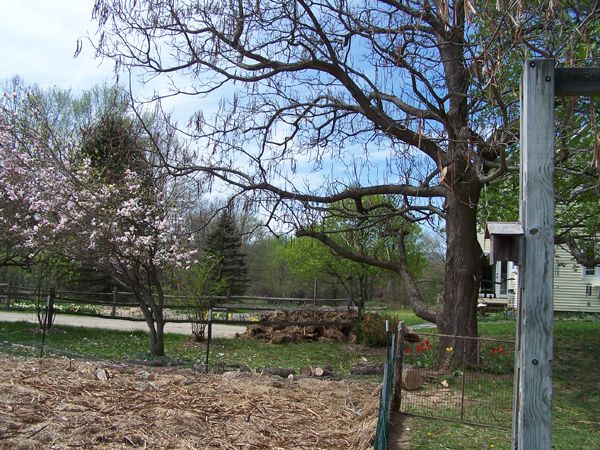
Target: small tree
225 246
195 286
129 230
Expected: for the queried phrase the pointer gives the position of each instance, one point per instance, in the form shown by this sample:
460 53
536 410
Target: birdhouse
505 241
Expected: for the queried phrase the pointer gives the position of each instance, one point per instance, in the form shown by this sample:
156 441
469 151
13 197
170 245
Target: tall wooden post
397 397
532 414
115 292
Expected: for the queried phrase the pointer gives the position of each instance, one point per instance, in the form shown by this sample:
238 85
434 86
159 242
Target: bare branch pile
338 326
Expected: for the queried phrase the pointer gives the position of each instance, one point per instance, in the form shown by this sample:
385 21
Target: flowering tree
54 200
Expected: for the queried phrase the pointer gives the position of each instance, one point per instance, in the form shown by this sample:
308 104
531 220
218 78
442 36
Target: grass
79 342
576 385
407 315
576 390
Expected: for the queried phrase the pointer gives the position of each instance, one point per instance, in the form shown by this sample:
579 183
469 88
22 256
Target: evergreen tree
225 245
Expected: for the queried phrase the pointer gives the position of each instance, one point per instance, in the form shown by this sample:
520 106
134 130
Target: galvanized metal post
532 415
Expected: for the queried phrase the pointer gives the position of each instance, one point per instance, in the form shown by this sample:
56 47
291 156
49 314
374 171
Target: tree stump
411 378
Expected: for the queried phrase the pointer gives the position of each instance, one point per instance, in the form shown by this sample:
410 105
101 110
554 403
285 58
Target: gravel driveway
218 330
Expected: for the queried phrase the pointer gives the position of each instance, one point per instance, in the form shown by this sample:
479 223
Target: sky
38 39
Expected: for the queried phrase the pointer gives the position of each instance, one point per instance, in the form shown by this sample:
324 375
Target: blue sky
38 40
39 37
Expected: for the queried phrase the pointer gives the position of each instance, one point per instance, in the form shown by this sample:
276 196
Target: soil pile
279 327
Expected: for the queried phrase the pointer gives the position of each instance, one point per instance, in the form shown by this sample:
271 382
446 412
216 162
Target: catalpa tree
415 99
55 199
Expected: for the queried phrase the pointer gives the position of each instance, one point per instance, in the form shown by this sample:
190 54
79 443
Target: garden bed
61 403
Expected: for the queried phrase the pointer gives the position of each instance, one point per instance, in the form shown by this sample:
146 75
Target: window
589 271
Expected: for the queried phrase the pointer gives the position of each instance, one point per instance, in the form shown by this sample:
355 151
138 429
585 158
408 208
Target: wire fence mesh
478 390
385 405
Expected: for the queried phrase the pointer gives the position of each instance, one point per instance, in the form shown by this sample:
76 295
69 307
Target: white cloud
39 39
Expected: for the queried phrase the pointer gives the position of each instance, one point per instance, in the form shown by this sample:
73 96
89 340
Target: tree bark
156 324
458 314
412 291
157 343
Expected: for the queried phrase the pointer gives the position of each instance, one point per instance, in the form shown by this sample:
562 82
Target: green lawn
576 387
75 342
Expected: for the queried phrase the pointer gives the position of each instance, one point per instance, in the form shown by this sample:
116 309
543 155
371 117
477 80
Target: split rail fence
227 310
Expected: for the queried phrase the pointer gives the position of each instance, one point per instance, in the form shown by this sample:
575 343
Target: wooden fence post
532 412
114 299
397 398
50 308
8 293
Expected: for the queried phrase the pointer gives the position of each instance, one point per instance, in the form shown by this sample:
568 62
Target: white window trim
585 275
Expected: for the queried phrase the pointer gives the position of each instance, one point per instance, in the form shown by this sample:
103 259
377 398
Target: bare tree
415 99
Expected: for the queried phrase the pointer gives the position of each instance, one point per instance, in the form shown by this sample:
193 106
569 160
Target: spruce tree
225 245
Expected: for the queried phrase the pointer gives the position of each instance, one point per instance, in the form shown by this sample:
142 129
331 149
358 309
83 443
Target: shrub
372 328
507 313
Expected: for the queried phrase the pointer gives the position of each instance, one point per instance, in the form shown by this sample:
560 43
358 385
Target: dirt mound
279 327
57 403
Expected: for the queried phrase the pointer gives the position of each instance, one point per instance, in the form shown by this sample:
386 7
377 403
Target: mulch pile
57 403
283 330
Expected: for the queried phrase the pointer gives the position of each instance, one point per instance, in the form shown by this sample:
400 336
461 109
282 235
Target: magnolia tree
54 200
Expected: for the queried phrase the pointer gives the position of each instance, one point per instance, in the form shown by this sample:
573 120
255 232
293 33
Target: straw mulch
57 403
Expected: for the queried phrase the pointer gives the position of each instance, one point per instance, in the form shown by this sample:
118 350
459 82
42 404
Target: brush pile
280 327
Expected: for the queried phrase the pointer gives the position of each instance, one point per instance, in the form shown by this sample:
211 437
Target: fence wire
385 405
478 391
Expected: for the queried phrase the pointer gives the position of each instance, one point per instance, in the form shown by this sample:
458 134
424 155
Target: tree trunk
154 319
458 313
412 291
157 342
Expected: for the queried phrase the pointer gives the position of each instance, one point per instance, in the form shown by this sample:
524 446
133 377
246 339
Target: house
576 288
498 281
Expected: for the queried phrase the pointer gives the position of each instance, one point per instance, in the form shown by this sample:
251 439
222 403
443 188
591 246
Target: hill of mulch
57 403
280 327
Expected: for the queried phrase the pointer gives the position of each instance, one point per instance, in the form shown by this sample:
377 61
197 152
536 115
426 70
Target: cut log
278 371
367 369
323 371
411 378
102 374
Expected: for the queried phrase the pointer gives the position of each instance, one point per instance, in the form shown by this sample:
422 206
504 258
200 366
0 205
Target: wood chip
60 403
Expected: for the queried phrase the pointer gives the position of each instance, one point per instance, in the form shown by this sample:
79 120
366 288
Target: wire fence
387 392
476 390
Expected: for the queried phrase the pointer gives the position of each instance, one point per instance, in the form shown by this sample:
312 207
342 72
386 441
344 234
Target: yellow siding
569 285
569 282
